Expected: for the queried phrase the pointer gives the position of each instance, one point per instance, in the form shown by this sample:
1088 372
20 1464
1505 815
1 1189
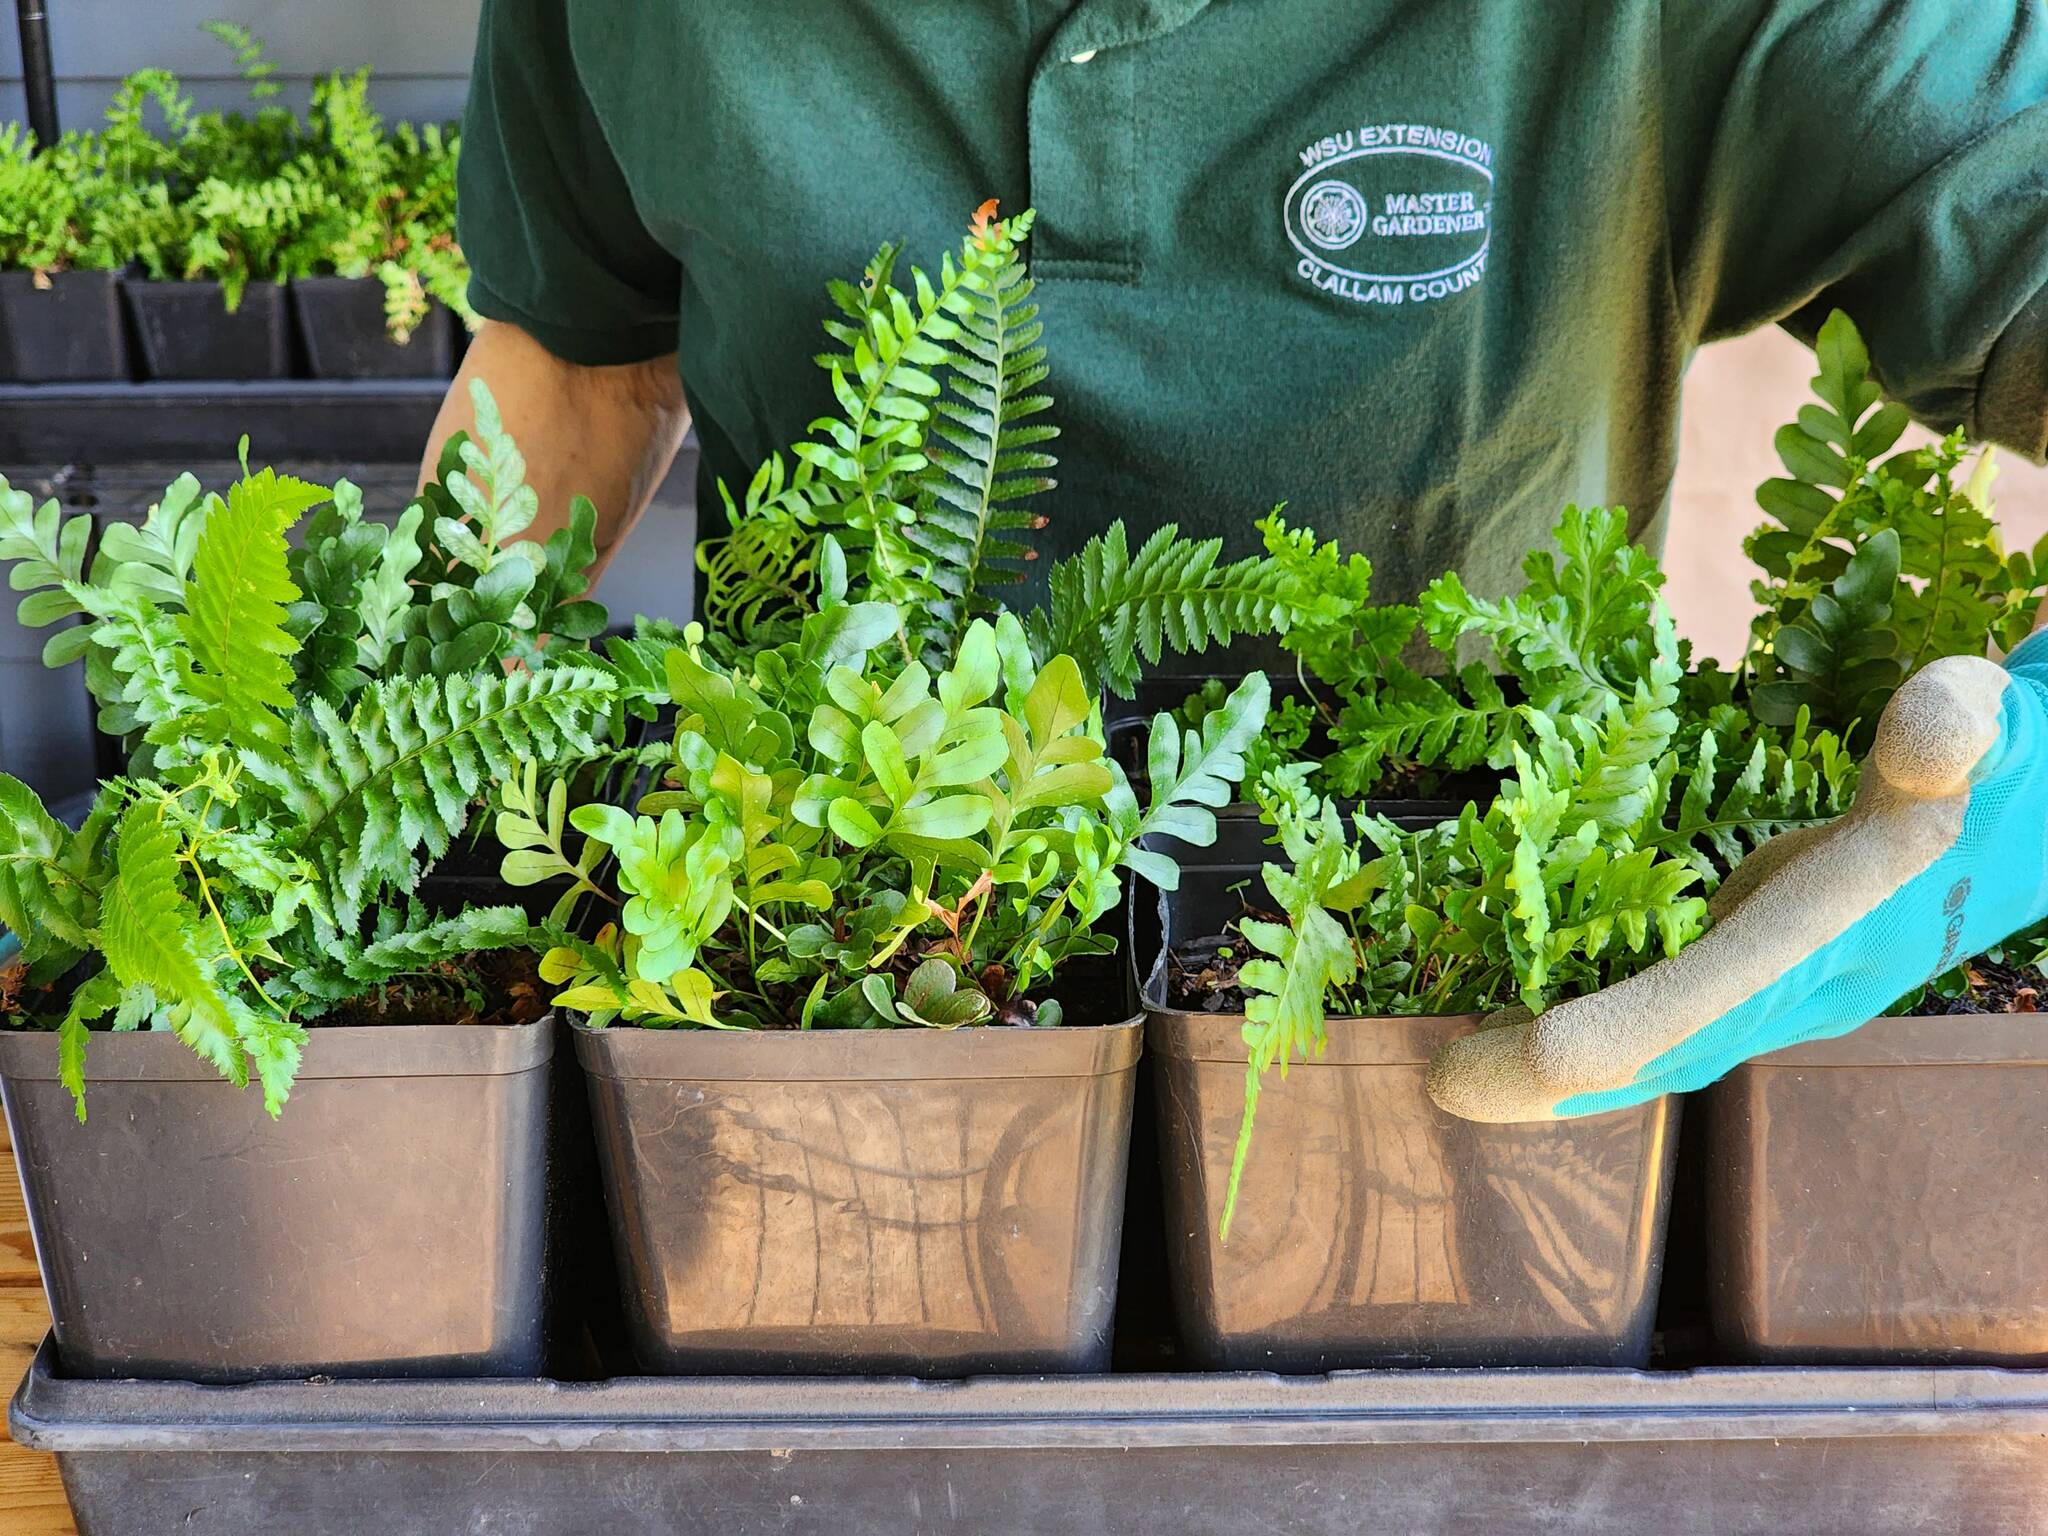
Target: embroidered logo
1392 213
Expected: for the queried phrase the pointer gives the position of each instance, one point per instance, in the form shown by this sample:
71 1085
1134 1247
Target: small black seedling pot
187 331
341 322
66 329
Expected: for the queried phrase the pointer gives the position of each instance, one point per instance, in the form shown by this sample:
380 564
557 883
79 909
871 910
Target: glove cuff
2030 653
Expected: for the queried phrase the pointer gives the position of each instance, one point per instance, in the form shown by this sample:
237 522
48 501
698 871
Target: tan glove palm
1944 853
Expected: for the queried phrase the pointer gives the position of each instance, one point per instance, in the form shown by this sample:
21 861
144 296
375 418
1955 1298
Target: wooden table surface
31 1498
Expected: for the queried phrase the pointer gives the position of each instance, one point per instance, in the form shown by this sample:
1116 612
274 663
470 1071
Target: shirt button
1083 57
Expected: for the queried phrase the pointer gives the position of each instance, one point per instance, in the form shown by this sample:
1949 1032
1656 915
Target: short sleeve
544 212
1885 157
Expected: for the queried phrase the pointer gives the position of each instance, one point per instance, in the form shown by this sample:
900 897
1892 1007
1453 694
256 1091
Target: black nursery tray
368 421
1681 1453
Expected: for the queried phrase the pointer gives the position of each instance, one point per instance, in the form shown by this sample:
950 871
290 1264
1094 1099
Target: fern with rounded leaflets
834 819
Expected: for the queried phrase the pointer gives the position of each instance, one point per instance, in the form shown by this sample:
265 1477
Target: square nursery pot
1883 1197
1373 1229
389 1223
341 321
188 333
66 331
913 1201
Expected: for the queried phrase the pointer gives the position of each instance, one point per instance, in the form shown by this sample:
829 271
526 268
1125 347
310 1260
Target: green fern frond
235 619
400 771
153 558
98 994
1110 609
49 554
1403 714
45 901
984 448
413 945
758 579
1301 962
146 923
1192 772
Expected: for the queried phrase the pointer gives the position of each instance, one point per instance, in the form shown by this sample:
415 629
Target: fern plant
45 194
923 482
846 839
241 197
1874 563
253 866
1633 784
386 204
451 586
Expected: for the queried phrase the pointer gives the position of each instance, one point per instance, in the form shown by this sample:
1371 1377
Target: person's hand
1820 930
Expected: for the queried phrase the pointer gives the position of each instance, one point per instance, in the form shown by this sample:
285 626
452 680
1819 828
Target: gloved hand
1944 853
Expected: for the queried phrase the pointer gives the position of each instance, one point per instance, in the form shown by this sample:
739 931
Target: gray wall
418 50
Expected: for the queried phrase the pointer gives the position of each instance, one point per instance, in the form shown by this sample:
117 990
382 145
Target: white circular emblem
1332 214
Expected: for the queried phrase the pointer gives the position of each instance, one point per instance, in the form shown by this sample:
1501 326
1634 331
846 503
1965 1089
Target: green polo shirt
1426 270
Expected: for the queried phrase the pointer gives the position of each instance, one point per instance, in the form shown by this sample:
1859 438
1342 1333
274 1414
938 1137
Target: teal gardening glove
1944 853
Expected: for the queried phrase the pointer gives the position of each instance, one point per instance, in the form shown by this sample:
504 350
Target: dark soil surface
498 986
494 987
1994 988
1201 977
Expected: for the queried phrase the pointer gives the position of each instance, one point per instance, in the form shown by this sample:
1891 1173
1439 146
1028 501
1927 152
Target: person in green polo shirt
1425 271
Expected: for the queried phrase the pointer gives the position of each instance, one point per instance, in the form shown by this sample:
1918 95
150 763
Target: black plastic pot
941 1203
1424 1453
188 333
1373 1229
66 329
389 1223
341 322
1883 1197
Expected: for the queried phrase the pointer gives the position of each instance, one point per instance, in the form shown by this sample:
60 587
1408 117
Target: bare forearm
606 433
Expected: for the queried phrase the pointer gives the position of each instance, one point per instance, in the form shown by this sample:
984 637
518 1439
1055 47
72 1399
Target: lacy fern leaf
235 617
1306 958
145 926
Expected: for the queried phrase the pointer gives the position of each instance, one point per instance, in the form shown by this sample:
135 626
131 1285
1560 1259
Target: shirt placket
1083 136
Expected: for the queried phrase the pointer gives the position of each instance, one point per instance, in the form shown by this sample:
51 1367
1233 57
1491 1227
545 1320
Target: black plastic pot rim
1982 1040
336 1051
911 1054
55 274
636 1415
1353 1041
1952 1040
